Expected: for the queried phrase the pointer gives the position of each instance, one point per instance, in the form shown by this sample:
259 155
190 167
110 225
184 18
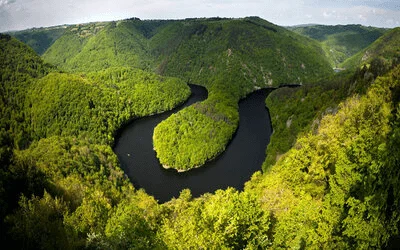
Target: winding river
243 156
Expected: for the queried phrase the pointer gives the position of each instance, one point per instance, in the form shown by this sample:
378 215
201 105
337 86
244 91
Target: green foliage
211 52
114 44
92 185
198 133
200 50
38 223
340 42
127 228
187 139
68 162
338 188
19 66
225 220
384 49
96 105
40 39
76 164
234 51
295 111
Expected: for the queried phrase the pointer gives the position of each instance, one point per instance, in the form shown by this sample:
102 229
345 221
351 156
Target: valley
74 108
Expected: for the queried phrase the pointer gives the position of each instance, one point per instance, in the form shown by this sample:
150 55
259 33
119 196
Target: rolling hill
40 39
195 49
384 51
304 107
340 42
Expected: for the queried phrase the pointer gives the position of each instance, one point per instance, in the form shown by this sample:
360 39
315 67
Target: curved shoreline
243 154
124 125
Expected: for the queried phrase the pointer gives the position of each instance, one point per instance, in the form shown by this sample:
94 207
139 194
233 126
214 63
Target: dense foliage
39 39
218 53
211 52
339 186
384 51
197 133
61 185
178 48
340 42
63 188
206 50
294 111
97 104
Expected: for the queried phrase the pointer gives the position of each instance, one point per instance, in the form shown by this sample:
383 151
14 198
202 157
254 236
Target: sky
24 14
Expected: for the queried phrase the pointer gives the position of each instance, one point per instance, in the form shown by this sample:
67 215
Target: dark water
243 156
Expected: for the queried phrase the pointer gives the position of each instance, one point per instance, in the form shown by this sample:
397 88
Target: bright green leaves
39 222
97 46
196 134
224 220
98 104
127 228
189 138
336 187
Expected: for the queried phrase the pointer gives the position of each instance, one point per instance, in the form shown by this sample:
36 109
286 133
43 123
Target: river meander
244 154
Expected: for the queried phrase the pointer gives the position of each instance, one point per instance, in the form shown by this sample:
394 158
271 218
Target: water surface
243 156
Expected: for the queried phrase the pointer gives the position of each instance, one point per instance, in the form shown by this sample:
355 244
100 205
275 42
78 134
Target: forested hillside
332 181
340 42
56 133
383 52
40 39
295 111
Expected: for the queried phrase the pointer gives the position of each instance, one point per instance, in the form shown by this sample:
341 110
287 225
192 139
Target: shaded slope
341 41
201 50
40 39
20 66
97 46
247 53
385 50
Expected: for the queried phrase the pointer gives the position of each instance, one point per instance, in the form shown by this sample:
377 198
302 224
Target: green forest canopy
337 187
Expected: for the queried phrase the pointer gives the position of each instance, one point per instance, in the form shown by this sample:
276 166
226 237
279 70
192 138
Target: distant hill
384 51
199 50
340 41
40 39
249 51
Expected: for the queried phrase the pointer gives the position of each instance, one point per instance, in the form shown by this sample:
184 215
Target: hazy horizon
24 14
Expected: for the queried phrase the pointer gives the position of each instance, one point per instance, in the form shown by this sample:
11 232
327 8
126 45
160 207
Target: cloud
22 14
382 4
5 3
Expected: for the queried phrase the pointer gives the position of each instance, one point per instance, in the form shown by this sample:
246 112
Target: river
244 154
